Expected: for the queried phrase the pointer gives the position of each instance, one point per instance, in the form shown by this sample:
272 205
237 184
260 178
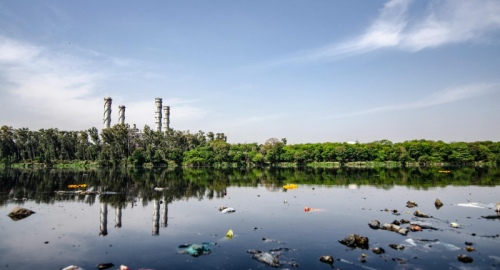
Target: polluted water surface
383 218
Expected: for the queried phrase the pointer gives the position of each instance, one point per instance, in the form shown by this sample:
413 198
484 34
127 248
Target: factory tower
166 118
158 114
107 112
121 114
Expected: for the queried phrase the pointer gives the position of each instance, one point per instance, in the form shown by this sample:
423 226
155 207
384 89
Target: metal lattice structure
158 114
107 112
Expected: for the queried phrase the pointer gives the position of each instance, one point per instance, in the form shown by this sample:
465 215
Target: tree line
121 145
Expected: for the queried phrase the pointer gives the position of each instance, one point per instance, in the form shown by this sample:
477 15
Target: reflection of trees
138 184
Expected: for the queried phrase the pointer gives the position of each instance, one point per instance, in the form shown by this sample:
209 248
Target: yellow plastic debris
290 186
230 234
453 224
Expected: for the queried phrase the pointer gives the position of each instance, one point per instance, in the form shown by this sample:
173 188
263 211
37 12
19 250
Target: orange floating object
307 209
290 186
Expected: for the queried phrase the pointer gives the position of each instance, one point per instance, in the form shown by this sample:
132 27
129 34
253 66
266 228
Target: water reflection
118 217
40 185
164 215
156 217
104 219
314 233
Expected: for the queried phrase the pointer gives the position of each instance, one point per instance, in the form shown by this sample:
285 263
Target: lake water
143 228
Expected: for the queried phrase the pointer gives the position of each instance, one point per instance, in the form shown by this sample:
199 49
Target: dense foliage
120 145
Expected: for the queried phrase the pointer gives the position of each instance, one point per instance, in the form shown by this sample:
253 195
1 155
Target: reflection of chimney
156 218
104 219
121 114
107 112
118 217
166 118
164 214
158 114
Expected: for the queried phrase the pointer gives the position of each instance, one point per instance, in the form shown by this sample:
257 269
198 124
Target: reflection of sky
72 229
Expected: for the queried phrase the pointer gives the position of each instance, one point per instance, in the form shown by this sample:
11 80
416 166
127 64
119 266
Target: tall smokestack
107 112
121 114
158 114
166 118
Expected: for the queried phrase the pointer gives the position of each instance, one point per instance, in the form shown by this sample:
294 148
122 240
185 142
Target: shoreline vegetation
121 146
366 164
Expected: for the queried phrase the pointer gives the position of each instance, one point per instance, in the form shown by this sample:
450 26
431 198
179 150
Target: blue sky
310 71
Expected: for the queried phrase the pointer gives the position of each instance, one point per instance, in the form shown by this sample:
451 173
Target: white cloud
453 21
438 98
42 88
14 52
444 22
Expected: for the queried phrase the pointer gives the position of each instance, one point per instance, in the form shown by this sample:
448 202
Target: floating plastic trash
491 217
230 234
307 209
469 248
266 258
464 258
473 205
326 259
72 267
411 242
453 224
272 240
196 250
228 210
18 213
105 265
290 186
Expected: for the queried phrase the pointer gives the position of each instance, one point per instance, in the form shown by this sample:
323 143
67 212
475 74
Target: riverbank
360 164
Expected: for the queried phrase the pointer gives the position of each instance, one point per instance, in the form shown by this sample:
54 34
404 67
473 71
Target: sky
309 71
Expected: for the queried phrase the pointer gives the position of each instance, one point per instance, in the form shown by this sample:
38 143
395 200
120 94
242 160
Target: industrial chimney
107 112
158 114
166 118
121 114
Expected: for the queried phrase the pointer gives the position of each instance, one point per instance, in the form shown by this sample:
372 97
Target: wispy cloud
43 88
448 95
443 22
